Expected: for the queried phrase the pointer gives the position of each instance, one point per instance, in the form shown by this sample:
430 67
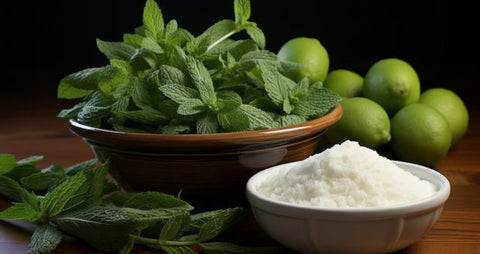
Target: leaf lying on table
162 79
79 201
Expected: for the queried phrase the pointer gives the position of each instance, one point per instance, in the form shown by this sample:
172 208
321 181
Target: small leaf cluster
79 201
162 79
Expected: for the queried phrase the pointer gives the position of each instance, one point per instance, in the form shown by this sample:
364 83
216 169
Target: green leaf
258 55
170 75
175 128
201 79
142 116
45 240
291 120
154 200
242 11
180 94
7 163
116 50
174 226
234 120
256 34
41 182
56 200
133 39
72 112
258 118
177 250
217 222
191 107
77 168
214 35
171 28
107 227
30 160
82 83
21 211
96 108
153 20
207 124
21 170
228 101
143 59
152 45
122 65
128 247
229 248
277 86
317 103
14 192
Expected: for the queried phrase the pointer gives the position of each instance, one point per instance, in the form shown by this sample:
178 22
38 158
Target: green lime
344 82
420 134
363 120
308 52
451 107
392 83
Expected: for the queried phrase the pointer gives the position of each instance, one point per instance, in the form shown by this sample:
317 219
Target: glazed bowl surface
210 170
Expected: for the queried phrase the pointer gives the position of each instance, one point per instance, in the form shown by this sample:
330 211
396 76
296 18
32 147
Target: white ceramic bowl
311 229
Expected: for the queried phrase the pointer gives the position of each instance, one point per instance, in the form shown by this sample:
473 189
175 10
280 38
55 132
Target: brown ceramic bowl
211 170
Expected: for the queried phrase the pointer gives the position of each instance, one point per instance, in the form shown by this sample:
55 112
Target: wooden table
30 130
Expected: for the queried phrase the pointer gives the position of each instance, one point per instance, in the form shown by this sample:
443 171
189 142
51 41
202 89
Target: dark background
42 41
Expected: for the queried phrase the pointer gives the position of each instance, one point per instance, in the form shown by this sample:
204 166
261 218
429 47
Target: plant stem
221 39
144 240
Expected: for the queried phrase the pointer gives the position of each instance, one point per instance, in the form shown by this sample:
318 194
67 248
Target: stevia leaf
116 50
258 118
133 39
317 103
152 45
174 226
207 124
77 168
7 163
45 240
180 94
230 248
256 34
242 11
217 222
170 75
201 79
21 211
153 20
234 120
191 107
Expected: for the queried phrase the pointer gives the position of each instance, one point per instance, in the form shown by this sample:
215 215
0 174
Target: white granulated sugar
346 176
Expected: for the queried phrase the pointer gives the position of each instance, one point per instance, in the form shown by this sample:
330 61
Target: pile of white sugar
345 176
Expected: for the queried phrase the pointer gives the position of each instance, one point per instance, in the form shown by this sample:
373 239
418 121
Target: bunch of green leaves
79 201
162 79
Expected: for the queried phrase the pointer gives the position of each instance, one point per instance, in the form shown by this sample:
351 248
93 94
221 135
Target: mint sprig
80 202
163 79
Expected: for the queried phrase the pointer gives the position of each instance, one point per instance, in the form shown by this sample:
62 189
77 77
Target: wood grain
25 133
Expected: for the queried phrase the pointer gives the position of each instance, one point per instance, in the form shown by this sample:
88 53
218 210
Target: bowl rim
305 211
319 123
